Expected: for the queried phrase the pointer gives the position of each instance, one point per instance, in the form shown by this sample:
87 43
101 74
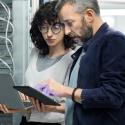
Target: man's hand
58 89
63 91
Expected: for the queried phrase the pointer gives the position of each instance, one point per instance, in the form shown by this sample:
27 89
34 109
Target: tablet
31 92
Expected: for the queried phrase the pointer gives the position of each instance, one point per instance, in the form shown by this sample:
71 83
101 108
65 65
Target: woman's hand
47 108
24 98
5 109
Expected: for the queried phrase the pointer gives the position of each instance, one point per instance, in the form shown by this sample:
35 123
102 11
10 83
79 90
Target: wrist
68 92
76 95
61 108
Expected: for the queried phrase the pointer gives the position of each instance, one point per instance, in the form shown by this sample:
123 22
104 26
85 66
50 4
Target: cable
7 40
10 43
6 65
6 36
10 25
5 7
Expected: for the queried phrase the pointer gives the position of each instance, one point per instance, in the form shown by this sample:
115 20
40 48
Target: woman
51 58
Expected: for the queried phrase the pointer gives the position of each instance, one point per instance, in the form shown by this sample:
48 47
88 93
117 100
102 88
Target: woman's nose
49 33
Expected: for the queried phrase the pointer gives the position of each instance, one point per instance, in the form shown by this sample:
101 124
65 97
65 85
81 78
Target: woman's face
53 34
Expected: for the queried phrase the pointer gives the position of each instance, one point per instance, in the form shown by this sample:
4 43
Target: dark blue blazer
102 78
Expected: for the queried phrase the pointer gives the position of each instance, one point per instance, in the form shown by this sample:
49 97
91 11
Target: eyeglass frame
61 25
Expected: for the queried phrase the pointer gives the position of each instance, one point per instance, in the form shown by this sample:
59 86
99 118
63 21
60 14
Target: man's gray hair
80 5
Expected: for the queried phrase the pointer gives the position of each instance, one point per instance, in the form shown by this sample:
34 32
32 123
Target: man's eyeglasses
55 28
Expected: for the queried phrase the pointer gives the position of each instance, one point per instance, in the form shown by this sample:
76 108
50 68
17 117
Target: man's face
75 23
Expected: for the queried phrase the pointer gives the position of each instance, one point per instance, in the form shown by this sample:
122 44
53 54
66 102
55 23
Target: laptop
8 95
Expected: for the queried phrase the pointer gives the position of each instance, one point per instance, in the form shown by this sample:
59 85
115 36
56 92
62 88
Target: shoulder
112 39
33 54
113 44
34 51
113 35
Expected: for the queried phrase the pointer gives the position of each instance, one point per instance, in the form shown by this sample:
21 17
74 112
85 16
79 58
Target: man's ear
89 15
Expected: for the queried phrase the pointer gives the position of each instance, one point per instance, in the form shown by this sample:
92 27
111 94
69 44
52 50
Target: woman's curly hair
46 13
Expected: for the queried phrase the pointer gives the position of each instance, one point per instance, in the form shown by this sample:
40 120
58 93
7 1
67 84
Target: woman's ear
89 15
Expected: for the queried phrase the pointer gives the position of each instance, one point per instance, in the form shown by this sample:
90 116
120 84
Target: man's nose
67 30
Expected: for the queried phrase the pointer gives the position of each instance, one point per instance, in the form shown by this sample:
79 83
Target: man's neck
97 24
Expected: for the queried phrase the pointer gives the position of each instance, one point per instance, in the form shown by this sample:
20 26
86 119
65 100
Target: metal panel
4 55
21 21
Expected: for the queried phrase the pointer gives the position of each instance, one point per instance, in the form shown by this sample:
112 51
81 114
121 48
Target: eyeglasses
55 28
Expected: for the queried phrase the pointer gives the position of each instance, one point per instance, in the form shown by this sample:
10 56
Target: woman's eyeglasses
55 28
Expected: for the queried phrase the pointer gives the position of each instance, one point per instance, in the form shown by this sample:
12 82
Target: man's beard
86 32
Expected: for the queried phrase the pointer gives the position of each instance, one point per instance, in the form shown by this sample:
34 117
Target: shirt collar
101 30
86 44
98 34
75 56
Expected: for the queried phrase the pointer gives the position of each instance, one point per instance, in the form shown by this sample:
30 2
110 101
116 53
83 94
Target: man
99 76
